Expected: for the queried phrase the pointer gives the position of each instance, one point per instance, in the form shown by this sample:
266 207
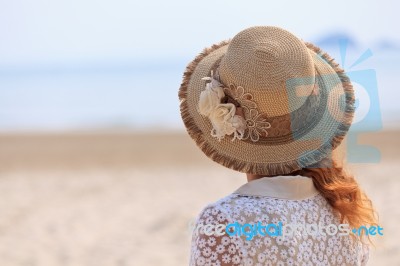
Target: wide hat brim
303 151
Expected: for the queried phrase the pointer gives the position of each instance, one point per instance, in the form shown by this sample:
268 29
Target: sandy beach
123 198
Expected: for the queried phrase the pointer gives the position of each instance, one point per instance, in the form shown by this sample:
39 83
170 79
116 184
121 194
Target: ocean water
86 99
142 95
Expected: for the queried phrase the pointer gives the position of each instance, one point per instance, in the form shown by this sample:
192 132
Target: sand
123 198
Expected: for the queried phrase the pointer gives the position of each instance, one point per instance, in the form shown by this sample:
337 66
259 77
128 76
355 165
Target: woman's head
296 103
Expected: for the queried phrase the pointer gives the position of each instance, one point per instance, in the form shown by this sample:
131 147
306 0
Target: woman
274 107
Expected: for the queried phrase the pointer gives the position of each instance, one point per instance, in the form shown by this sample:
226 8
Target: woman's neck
251 177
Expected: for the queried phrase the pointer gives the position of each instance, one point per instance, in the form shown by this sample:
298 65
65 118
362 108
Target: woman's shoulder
220 210
234 206
219 205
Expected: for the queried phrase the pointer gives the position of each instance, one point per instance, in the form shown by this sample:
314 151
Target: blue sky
49 31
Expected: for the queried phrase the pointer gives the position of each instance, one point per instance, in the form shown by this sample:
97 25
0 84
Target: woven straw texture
301 91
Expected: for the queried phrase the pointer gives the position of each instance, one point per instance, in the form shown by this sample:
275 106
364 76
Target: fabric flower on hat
225 122
210 98
222 115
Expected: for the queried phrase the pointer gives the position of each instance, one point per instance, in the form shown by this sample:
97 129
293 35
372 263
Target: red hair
343 193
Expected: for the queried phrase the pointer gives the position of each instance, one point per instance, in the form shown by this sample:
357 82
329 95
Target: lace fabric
298 249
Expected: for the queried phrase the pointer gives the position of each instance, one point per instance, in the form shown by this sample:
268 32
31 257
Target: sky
73 63
50 31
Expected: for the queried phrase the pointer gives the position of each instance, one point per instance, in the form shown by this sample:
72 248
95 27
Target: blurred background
96 167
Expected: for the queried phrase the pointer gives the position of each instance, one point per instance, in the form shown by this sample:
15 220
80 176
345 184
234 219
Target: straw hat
266 102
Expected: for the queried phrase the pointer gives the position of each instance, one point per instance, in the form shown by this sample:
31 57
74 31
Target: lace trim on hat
226 112
256 124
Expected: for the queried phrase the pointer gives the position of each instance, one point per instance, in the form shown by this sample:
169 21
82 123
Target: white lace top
278 200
